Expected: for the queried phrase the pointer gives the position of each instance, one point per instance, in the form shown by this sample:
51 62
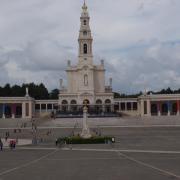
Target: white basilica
86 85
85 81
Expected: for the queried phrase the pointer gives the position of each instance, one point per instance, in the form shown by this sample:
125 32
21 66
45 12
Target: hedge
80 140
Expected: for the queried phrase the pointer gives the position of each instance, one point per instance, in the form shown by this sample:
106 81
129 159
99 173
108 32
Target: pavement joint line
100 150
99 126
27 164
163 172
79 159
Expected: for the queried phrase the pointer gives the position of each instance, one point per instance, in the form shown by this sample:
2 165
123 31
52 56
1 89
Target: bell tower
85 38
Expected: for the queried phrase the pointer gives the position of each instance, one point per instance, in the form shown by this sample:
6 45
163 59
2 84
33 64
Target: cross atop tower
84 9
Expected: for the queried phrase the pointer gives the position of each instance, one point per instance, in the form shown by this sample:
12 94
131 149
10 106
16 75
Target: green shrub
80 140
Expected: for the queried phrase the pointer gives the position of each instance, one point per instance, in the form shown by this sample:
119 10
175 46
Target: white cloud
139 39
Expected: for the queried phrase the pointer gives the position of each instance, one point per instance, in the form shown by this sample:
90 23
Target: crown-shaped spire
85 8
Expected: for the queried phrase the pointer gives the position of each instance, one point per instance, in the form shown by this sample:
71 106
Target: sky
138 39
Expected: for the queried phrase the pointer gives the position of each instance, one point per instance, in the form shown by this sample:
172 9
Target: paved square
93 164
139 153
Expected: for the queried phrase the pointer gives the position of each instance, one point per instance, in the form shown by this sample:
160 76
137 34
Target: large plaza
139 153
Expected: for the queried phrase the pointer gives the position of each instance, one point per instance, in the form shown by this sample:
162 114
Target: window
86 80
85 33
85 22
85 48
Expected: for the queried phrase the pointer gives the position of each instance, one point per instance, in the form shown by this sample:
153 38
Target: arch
174 108
85 33
64 102
99 107
84 22
73 102
64 106
164 109
98 101
85 48
8 112
107 101
86 101
107 105
154 109
18 110
73 106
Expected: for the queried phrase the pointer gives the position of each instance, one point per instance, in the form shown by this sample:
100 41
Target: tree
54 94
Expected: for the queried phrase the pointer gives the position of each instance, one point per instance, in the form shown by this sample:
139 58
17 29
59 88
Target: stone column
148 108
23 110
159 108
103 108
119 106
3 111
131 106
13 109
142 108
112 107
68 107
30 110
40 108
125 106
178 108
46 108
169 108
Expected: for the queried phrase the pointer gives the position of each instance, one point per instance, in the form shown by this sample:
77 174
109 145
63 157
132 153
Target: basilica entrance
86 102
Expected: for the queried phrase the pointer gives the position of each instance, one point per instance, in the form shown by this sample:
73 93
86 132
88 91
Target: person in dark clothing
1 145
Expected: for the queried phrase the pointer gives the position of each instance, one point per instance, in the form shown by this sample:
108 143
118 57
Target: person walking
1 145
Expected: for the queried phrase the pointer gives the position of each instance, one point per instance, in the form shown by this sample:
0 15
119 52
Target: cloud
139 40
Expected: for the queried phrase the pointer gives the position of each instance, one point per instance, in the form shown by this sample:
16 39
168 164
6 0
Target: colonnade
91 108
45 107
16 110
127 106
159 108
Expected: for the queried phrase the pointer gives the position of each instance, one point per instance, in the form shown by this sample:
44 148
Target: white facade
85 81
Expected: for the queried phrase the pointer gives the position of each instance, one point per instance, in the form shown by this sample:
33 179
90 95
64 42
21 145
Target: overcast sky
138 39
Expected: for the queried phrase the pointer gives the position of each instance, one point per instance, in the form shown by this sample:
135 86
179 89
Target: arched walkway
107 105
18 111
99 106
164 108
174 108
154 110
73 106
8 112
64 105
